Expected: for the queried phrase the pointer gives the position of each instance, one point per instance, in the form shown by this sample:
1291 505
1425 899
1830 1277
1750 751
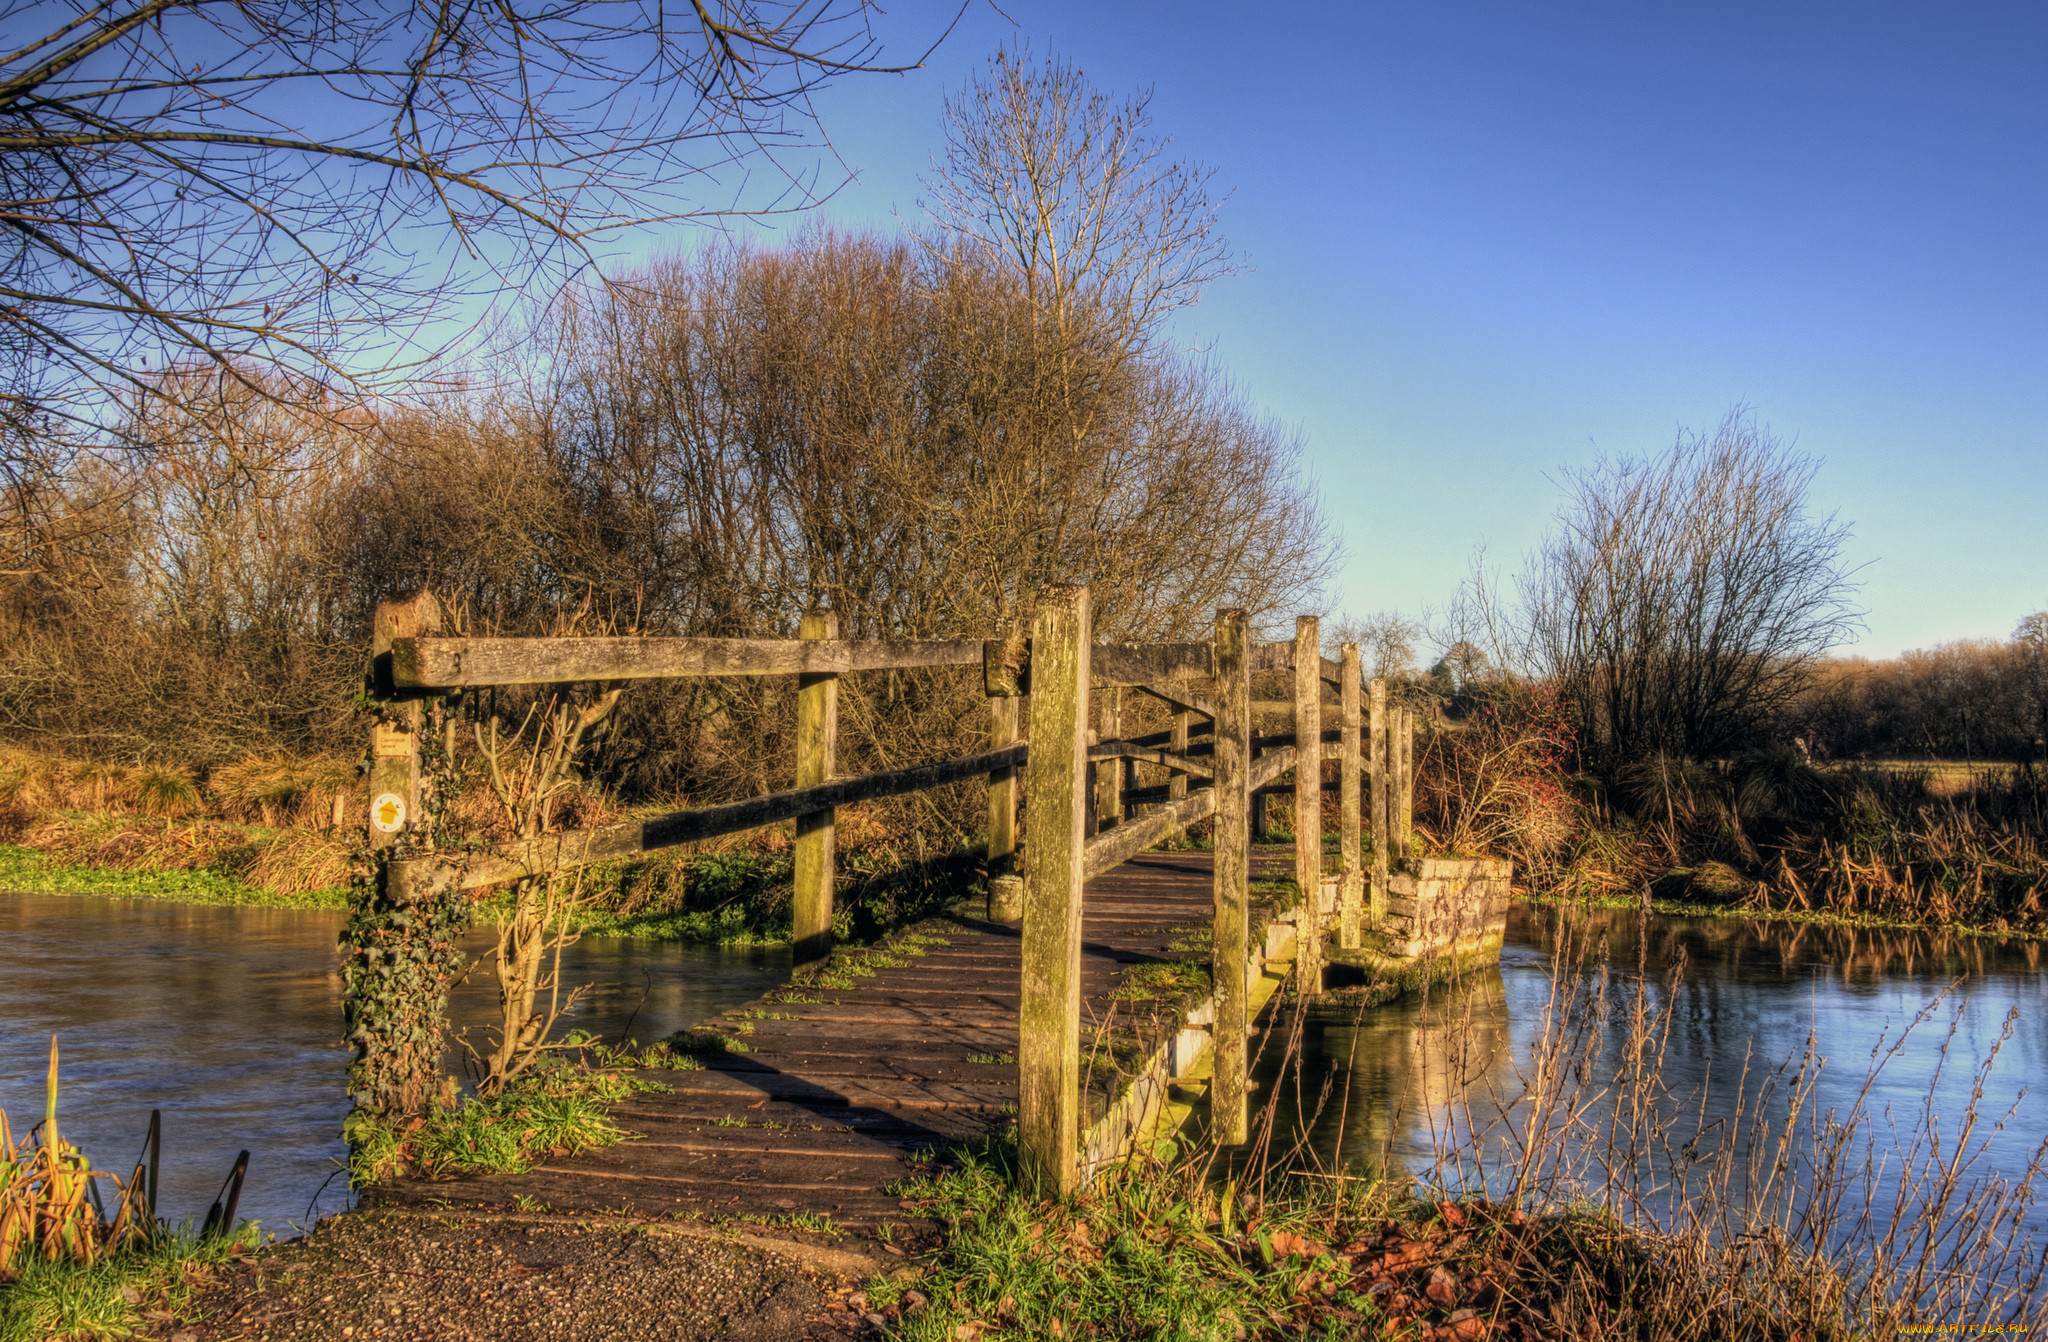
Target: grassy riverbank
280 834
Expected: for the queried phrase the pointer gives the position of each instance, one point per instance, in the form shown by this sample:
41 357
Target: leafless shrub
1681 604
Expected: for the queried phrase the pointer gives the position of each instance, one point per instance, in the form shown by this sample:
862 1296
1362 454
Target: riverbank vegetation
561 1106
1582 1192
83 1252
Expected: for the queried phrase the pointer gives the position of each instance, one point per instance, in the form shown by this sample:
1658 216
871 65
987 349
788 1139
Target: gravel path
410 1278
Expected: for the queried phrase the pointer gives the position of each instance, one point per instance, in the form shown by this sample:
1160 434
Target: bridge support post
1056 802
1109 777
395 733
1403 819
1308 801
817 733
1233 735
1002 790
1382 846
1350 860
1177 782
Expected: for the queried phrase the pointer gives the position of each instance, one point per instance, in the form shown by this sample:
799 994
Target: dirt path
458 1278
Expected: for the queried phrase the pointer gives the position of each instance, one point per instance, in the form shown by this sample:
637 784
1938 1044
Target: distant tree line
1972 699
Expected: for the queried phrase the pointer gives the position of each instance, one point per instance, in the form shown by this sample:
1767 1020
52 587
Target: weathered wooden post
1049 1010
1382 809
1002 789
1350 858
1403 825
1258 801
1177 782
395 731
1109 784
1229 949
1308 801
817 734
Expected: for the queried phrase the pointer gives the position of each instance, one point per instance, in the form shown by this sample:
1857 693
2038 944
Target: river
1901 1022
228 1020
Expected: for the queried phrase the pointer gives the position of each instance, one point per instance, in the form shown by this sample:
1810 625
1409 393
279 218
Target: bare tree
1077 197
1679 603
297 193
1386 642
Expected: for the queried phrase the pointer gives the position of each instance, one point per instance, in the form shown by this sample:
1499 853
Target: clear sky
1488 240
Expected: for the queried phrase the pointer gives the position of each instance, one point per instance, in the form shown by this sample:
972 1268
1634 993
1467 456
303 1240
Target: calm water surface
1732 999
229 1020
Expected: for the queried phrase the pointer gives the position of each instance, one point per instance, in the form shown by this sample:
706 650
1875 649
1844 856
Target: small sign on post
395 734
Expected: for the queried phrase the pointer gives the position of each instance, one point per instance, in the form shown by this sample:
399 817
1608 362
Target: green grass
122 1295
565 1109
26 871
1132 1257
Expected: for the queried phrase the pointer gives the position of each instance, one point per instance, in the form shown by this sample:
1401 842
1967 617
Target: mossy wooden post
1308 801
1257 818
1002 789
1403 746
1177 783
817 733
1233 737
1109 784
395 732
1350 895
1049 1008
1382 848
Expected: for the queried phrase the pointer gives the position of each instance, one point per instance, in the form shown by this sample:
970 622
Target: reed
51 1206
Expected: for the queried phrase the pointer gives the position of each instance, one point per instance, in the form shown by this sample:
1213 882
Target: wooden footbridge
1105 986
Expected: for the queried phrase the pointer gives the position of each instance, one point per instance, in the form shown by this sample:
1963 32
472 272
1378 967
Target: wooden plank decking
834 1098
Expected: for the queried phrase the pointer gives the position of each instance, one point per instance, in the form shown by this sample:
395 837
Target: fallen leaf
1442 1288
1286 1242
1453 1215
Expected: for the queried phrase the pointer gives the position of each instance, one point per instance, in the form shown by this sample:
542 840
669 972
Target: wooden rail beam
1115 847
1181 697
1131 750
452 663
577 848
1006 665
1049 1006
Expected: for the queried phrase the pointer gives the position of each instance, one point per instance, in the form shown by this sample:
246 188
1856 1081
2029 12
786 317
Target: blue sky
1484 241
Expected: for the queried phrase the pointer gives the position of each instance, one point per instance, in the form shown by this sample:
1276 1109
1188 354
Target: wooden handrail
417 877
1114 847
1131 750
455 663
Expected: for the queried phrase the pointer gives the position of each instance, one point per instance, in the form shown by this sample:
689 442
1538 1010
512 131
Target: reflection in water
229 1020
1404 1087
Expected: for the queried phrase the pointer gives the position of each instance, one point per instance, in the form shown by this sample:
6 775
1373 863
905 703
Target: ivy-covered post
398 956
